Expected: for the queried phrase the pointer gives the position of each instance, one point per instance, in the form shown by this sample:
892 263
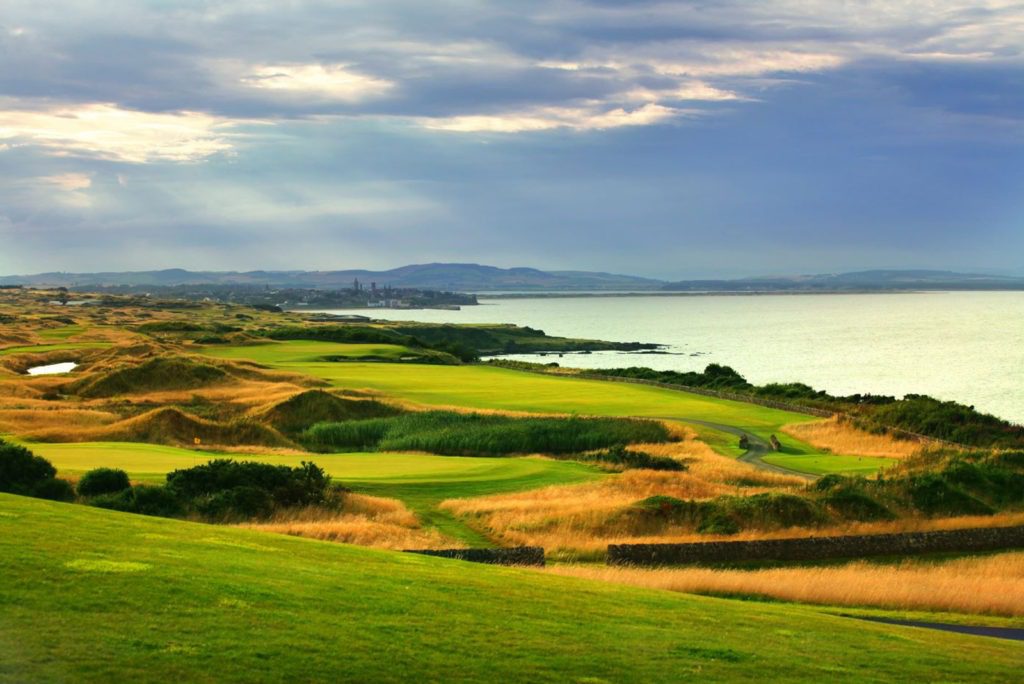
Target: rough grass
161 600
582 519
841 437
988 585
364 520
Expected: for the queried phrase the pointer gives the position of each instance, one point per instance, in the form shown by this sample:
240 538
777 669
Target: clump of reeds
841 437
991 585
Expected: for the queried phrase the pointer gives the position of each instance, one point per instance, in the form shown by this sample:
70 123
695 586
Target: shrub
54 489
142 499
222 487
241 502
21 470
24 473
103 481
473 434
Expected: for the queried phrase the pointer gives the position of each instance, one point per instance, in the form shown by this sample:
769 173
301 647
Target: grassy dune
144 599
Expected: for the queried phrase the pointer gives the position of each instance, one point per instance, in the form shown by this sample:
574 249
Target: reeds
840 437
992 585
363 520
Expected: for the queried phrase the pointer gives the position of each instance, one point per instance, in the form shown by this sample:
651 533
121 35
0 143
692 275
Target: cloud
106 131
335 82
548 118
69 181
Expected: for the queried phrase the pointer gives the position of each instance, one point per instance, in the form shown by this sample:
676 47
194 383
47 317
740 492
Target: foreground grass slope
143 599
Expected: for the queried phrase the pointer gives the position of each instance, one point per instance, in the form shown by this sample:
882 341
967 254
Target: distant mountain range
451 277
478 278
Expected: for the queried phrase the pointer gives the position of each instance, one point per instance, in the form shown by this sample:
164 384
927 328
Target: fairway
823 464
308 351
57 346
144 599
491 387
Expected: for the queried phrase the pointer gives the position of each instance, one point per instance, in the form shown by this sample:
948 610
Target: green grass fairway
59 346
421 481
311 351
131 598
823 464
490 387
62 333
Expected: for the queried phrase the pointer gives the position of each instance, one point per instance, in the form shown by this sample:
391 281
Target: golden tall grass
585 518
840 437
364 520
991 585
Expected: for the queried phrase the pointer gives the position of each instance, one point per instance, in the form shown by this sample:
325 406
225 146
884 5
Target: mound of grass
474 434
299 412
157 374
173 426
400 616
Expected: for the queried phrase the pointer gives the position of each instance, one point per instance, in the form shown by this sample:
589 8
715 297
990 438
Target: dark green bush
54 489
103 481
21 471
142 499
474 434
301 486
238 502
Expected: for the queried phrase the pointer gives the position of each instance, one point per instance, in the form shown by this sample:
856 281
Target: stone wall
519 555
815 548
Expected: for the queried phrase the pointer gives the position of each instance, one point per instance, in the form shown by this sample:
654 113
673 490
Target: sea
962 346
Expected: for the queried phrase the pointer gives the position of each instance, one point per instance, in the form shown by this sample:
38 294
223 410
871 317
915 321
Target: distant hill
479 278
452 277
878 280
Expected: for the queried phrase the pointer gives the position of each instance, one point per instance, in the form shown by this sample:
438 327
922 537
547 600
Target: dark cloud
887 137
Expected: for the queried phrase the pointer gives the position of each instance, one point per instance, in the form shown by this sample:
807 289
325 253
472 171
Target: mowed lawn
132 598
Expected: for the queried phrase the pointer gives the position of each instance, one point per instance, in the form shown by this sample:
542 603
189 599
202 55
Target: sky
667 139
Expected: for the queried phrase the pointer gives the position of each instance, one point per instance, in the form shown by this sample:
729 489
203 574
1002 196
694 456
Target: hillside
143 599
446 277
